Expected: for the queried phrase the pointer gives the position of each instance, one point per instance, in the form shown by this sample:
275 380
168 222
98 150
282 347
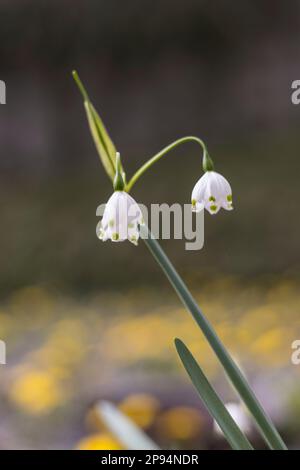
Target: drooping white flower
121 219
239 415
212 191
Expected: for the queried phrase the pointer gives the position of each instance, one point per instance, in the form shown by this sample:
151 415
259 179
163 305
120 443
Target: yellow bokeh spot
36 392
141 408
269 341
99 441
180 423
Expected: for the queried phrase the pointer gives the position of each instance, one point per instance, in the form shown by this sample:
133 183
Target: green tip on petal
213 208
115 236
229 198
213 199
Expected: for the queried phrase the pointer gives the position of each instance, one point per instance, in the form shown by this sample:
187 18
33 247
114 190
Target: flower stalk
162 153
207 163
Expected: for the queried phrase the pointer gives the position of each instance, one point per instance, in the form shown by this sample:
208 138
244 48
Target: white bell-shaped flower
121 219
212 191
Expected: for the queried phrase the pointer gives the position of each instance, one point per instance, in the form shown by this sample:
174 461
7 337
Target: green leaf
103 143
232 432
127 433
237 379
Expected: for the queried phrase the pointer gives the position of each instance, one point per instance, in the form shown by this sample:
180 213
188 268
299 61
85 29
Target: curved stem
160 154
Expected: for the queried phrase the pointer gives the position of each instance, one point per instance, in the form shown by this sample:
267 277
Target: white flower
212 191
121 219
239 415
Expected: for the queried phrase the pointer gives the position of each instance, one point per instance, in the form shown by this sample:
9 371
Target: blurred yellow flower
70 349
99 441
36 392
180 423
142 408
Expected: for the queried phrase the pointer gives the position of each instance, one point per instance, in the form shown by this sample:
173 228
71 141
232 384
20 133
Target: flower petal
121 219
212 190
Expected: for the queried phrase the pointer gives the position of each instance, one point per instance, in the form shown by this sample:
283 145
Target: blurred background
85 321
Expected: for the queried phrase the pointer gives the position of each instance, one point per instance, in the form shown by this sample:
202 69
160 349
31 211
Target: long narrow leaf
262 420
103 143
130 435
232 432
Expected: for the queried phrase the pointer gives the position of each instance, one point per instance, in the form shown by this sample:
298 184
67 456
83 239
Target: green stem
263 422
159 155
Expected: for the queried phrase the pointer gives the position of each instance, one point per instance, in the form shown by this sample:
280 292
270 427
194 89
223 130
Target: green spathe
119 183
